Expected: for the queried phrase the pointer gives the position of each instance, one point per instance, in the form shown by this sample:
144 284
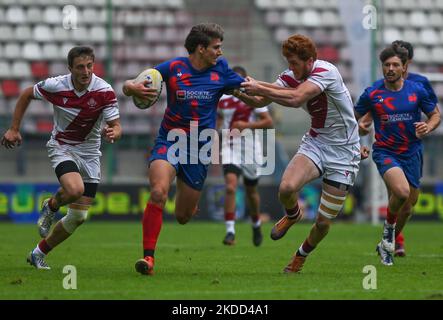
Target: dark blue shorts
193 174
412 165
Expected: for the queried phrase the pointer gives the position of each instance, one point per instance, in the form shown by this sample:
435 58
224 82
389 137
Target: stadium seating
419 22
34 45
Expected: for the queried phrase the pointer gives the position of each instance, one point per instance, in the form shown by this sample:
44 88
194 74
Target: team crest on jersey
65 100
179 74
92 103
380 99
215 76
412 98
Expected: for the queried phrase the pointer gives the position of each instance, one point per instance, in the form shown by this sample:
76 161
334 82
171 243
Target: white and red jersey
332 112
233 109
78 116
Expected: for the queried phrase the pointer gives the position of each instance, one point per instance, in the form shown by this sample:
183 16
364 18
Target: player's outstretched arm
253 101
112 131
12 137
288 97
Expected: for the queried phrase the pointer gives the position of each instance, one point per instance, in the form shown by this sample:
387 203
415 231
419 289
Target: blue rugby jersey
394 114
193 95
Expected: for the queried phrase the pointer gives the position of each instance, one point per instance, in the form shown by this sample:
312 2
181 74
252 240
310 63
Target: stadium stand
34 44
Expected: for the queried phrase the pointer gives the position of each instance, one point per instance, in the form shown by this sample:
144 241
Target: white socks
230 226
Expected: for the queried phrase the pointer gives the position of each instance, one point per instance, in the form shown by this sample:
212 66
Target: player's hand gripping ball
156 82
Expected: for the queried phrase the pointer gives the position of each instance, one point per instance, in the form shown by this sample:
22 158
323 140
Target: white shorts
249 171
337 163
89 166
247 160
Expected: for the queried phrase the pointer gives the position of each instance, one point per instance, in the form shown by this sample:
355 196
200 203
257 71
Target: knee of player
158 196
402 193
75 192
286 189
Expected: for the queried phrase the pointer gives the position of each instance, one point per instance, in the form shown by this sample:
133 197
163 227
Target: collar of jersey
80 93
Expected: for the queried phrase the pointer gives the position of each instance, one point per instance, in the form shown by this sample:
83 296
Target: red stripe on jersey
290 81
242 113
173 86
68 99
175 64
388 103
91 106
185 79
173 117
373 93
318 70
168 125
242 110
318 109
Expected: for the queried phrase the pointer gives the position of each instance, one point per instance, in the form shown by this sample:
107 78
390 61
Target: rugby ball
154 76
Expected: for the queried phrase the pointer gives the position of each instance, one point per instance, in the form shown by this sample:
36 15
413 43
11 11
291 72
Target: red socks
400 239
390 218
229 216
44 246
152 223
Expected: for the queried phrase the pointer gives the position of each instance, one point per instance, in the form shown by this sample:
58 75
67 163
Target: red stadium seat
40 69
99 69
10 88
328 53
44 125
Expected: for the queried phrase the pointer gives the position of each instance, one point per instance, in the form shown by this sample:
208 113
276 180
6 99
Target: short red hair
301 46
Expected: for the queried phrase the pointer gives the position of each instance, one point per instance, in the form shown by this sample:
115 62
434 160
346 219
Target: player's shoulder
321 66
221 65
176 59
226 102
287 79
55 84
167 65
417 78
378 83
412 84
100 84
221 61
226 97
377 86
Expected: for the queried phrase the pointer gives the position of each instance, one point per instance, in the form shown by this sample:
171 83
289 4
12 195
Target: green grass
192 263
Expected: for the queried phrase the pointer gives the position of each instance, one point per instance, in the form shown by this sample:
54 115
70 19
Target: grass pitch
192 263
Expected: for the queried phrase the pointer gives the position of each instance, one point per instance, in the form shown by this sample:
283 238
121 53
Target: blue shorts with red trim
193 173
411 165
